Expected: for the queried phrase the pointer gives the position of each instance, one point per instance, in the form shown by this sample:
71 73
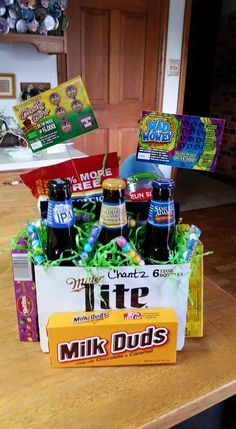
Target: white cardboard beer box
71 289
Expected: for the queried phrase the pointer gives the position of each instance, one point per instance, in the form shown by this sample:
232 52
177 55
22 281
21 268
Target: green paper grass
109 255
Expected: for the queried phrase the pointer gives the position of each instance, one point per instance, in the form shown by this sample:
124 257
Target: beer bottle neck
59 190
162 194
59 195
111 196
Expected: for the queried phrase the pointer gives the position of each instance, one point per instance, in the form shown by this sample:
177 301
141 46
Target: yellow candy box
116 337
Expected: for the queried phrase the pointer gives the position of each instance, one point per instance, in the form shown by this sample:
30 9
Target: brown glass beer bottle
60 221
160 222
113 215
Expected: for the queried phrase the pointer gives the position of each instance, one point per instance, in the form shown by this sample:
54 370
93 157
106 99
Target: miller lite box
108 338
75 289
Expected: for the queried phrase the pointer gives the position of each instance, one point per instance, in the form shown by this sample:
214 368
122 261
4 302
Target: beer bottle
160 222
60 221
113 215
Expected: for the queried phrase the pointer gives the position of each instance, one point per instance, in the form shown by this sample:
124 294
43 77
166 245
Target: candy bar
107 338
193 237
25 293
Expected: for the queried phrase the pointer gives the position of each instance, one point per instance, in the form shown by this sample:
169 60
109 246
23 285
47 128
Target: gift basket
90 259
116 270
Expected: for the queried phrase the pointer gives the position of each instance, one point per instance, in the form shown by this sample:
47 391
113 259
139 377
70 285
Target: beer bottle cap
40 14
33 26
4 27
58 185
49 22
7 2
163 183
27 14
2 10
14 11
45 3
113 184
11 22
32 4
42 30
21 26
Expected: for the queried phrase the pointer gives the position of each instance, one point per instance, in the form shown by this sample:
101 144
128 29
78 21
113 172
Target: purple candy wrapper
25 294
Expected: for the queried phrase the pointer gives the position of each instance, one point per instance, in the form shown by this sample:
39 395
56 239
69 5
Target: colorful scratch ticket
56 115
180 140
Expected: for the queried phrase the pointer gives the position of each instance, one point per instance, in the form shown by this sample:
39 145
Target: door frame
184 55
183 66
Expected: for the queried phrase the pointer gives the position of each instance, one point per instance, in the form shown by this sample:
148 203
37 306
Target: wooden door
118 47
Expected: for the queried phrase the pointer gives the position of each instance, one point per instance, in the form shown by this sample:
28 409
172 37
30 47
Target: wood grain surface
218 234
129 38
36 396
48 45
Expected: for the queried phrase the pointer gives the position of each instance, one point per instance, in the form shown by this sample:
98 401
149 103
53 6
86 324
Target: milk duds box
109 338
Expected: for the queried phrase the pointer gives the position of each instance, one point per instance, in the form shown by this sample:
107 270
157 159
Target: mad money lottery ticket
56 115
180 140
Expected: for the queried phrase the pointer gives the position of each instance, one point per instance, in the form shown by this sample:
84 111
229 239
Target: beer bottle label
113 215
60 214
162 214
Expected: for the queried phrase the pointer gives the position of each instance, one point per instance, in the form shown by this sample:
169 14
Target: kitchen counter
28 160
151 397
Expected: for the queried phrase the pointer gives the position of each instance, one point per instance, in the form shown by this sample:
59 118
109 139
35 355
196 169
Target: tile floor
218 228
194 190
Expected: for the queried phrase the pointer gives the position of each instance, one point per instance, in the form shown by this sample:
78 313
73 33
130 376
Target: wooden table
34 395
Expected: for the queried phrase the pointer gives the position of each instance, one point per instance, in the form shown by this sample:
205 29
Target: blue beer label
162 214
60 214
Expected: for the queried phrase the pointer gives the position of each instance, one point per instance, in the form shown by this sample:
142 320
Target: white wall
174 47
28 65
